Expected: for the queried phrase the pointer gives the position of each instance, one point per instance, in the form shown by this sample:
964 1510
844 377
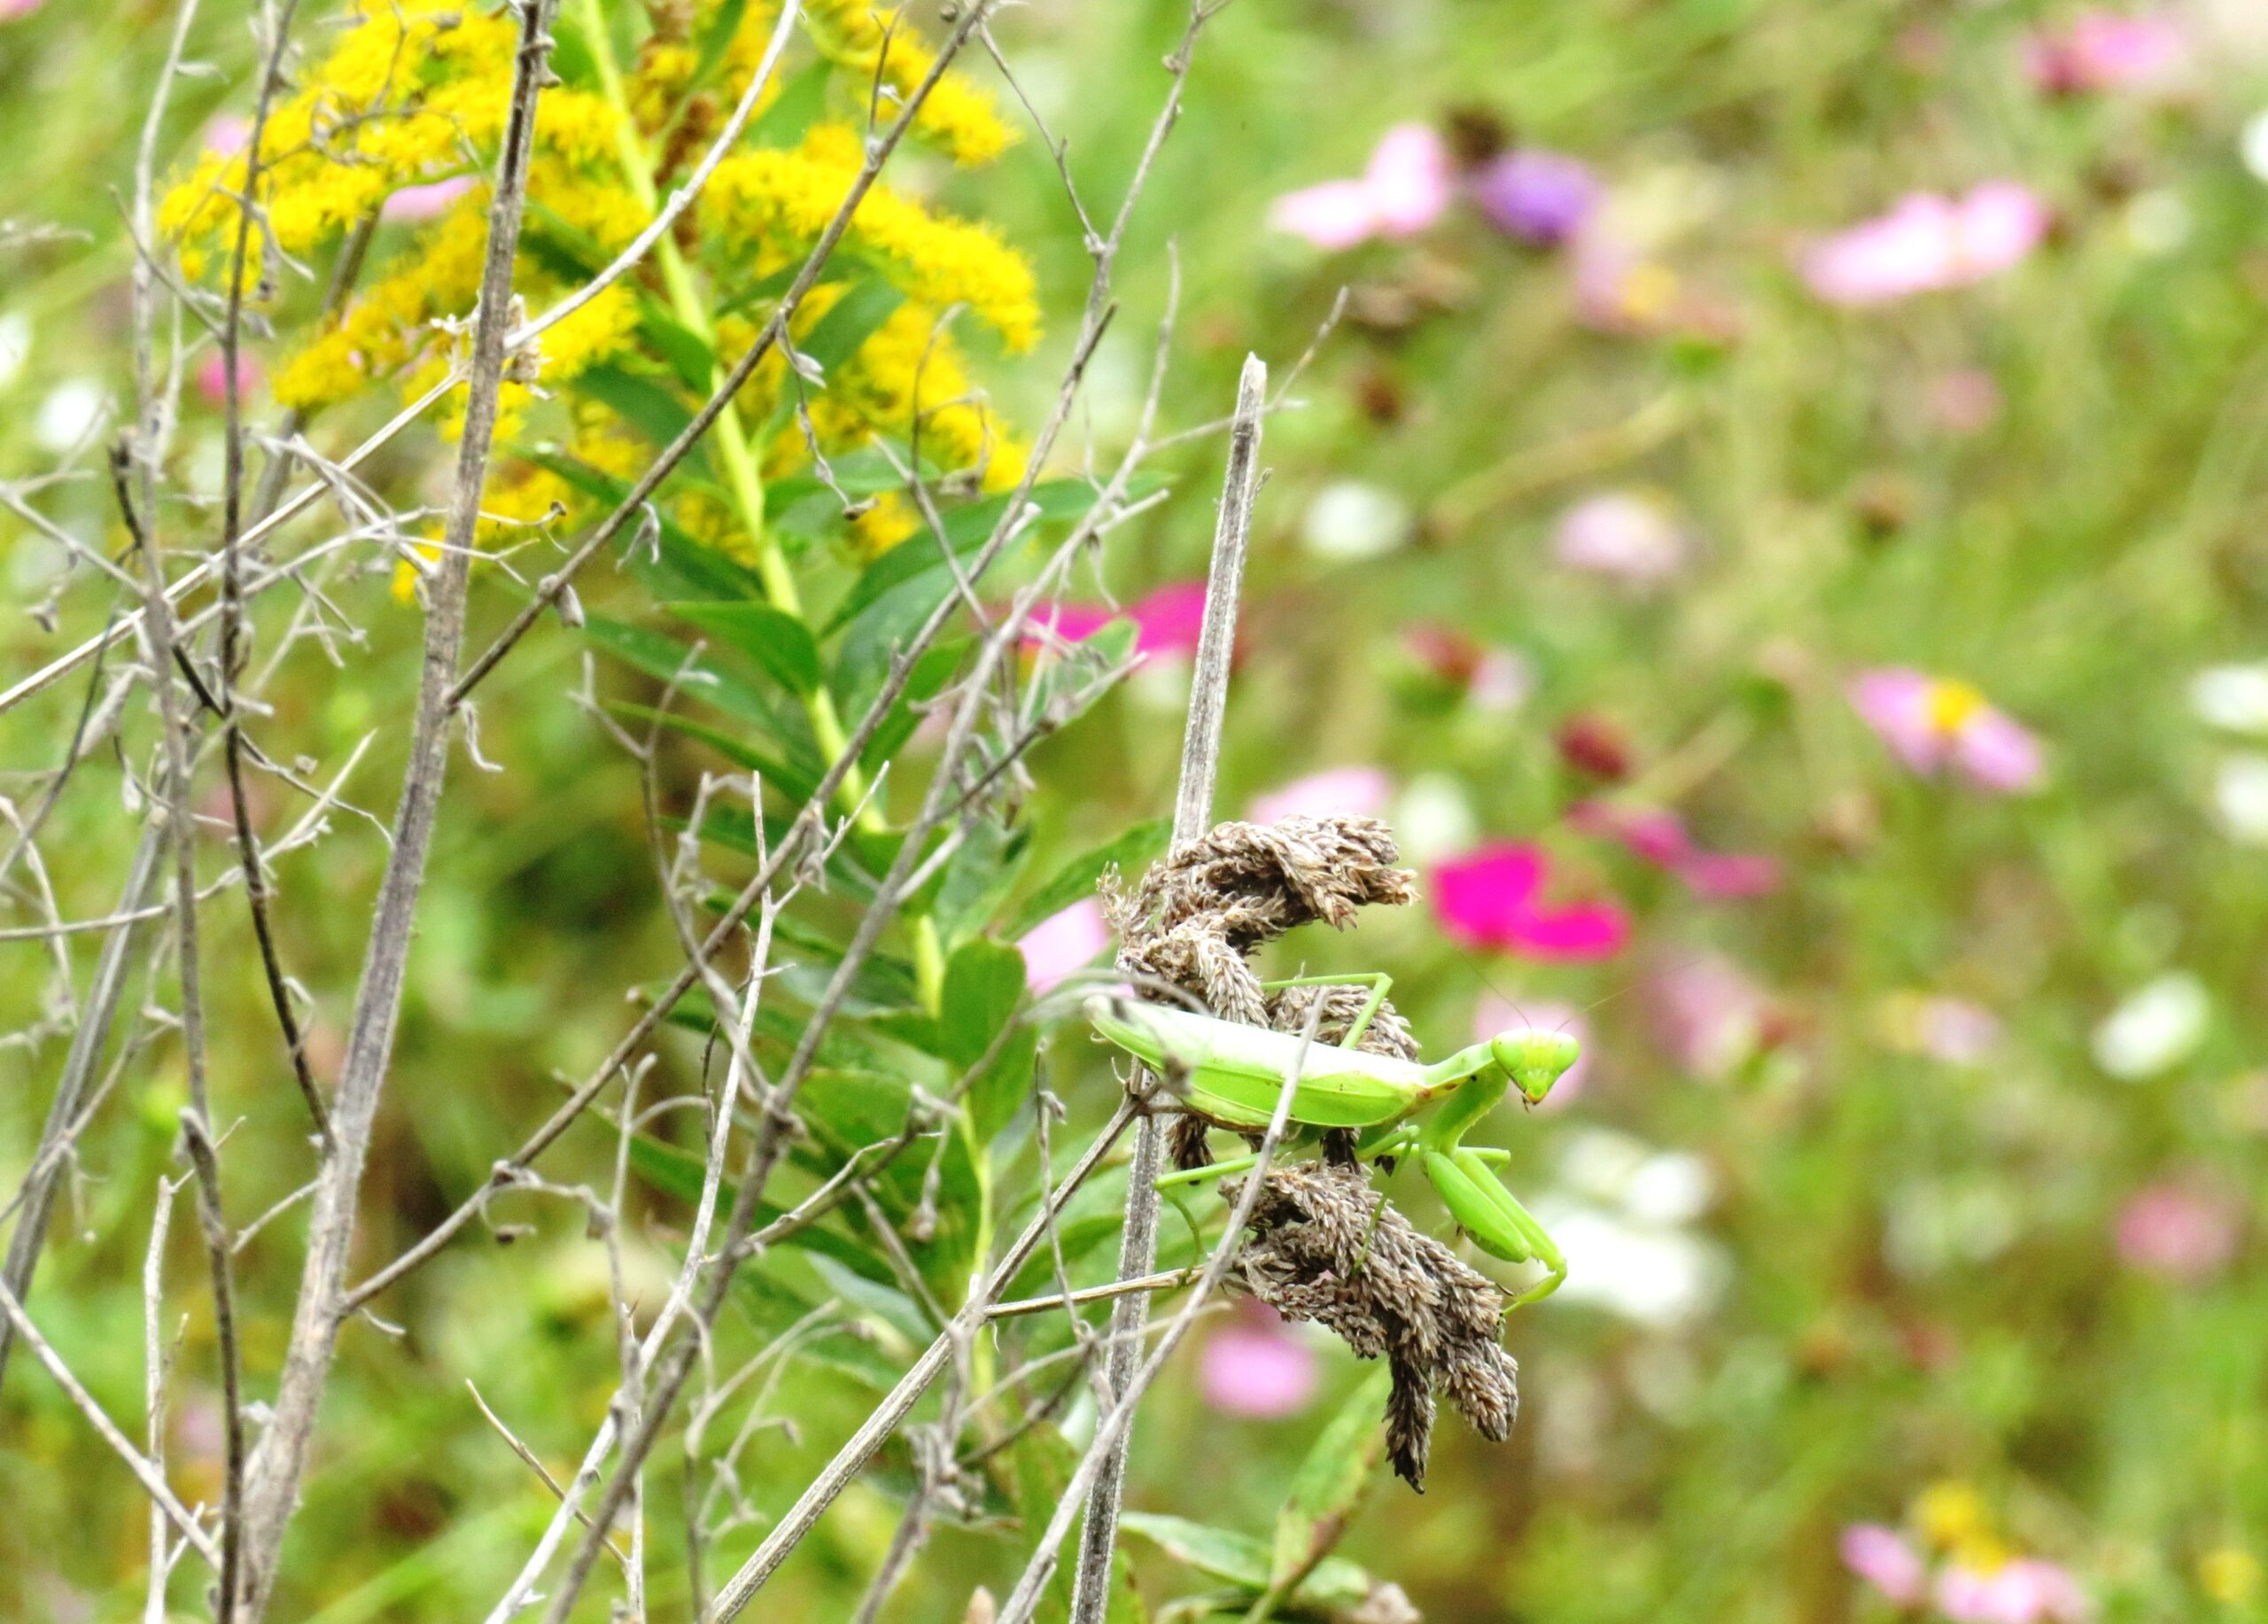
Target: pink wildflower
1932 723
1490 898
1954 1031
1631 536
427 202
1062 944
213 378
1169 620
1708 1014
2176 1232
10 10
1926 243
1255 1366
2103 50
1882 1557
1404 189
1496 679
1659 836
2024 1591
1362 792
226 134
1965 400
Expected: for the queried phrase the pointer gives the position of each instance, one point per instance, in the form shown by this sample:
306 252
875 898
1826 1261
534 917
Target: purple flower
2176 1232
1490 898
1932 724
1926 243
213 378
1404 189
1362 792
1062 944
2024 1591
1882 1557
1627 535
1255 1367
1538 197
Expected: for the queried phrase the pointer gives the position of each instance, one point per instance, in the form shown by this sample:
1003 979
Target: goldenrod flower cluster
416 91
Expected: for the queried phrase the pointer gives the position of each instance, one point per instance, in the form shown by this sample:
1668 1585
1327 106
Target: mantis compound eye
1535 1060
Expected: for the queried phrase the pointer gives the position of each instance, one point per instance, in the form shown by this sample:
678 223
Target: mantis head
1535 1060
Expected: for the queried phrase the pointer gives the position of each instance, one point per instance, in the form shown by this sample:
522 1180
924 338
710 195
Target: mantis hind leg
1379 981
1230 1169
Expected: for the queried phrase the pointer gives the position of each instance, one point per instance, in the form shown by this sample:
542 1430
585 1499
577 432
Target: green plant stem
743 479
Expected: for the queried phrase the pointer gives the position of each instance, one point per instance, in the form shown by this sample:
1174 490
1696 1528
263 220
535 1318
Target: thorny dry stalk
991 728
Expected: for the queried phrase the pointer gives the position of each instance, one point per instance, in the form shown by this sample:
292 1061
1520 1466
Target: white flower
2154 1029
68 414
1353 520
2240 796
2254 146
2157 223
2234 697
1653 1275
1433 818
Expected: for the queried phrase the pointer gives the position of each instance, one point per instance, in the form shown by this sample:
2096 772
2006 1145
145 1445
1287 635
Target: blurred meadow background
1779 529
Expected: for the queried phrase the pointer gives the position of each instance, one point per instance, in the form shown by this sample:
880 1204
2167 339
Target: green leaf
678 1172
847 1112
985 988
1130 852
850 322
778 642
981 873
791 783
798 107
687 353
967 530
1243 1561
1330 1482
716 39
690 567
642 402
665 659
572 56
923 683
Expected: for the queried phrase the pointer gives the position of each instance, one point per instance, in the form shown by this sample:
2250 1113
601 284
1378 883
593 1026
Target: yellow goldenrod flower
1951 1515
2230 1576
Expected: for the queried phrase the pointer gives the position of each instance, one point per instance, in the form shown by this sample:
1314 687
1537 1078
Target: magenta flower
1255 1367
429 201
1658 835
1361 792
1882 1557
1169 620
213 378
1926 243
2176 1232
1932 723
2027 1590
1627 535
1404 189
1538 197
2103 50
1494 678
1062 944
1491 899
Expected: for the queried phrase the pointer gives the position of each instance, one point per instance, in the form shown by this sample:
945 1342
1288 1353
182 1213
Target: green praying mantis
1233 1075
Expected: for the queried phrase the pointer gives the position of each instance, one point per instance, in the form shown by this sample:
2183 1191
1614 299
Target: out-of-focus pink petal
1955 1031
213 378
2024 1591
2103 51
1909 250
1171 618
1967 400
2176 1232
1727 876
429 201
1894 700
1998 753
226 134
1063 944
1334 216
1255 1367
1480 897
1654 833
1999 223
1707 1013
10 10
1626 534
1361 792
1409 180
1584 931
1073 622
1881 1557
